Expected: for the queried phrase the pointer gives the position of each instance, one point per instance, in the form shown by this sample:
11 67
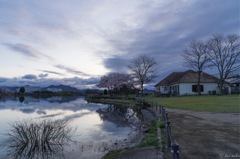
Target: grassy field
114 101
228 103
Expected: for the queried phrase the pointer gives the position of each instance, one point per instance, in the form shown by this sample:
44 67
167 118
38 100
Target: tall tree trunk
142 89
221 87
198 83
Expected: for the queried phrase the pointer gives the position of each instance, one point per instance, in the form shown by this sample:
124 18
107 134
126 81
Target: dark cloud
80 83
52 72
117 63
42 75
166 28
71 70
29 77
23 49
26 50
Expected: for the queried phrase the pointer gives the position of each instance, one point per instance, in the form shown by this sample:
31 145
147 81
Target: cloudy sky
75 42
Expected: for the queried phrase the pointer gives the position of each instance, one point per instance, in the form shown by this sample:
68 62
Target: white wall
162 90
186 88
157 89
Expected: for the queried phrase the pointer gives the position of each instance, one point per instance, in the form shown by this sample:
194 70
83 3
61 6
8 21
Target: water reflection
101 127
52 99
21 99
30 99
32 105
120 115
37 139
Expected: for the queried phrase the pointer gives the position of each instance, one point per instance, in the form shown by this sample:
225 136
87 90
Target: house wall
157 89
186 88
162 89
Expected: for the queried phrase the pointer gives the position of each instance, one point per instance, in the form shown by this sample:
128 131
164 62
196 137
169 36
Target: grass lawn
115 101
227 103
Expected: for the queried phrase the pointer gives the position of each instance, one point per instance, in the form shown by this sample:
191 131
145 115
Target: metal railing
174 147
164 117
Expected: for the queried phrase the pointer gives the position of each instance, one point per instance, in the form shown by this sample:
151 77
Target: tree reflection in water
120 115
38 139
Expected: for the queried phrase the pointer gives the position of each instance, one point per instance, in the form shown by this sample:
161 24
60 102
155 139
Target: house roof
189 76
235 81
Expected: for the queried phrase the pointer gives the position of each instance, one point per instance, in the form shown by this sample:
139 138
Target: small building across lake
185 83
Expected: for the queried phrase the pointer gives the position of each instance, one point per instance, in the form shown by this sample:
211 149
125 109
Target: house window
195 88
165 88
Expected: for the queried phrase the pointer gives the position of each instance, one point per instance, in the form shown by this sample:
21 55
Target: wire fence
164 117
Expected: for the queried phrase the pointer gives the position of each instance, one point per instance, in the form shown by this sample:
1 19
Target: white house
185 83
234 79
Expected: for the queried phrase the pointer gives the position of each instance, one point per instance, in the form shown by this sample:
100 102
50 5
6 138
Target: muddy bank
204 135
140 153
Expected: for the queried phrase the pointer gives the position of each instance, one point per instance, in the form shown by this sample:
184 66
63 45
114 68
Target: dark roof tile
189 76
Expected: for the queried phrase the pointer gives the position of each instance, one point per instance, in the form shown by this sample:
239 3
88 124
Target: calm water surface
99 127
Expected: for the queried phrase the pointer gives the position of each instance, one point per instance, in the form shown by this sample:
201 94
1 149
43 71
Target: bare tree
224 52
195 56
143 69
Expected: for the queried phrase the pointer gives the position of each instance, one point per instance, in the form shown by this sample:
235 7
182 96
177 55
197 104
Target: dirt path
204 135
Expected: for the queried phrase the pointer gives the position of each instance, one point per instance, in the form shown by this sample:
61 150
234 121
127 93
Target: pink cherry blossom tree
117 82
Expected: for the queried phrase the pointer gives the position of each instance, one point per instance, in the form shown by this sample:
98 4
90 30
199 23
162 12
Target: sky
76 42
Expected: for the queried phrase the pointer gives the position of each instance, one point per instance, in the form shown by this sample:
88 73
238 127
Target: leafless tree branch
224 52
143 69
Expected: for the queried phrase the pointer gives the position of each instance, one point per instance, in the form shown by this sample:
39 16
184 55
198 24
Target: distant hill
145 90
5 91
64 88
11 88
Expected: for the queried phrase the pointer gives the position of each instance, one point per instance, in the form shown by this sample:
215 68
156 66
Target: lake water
99 127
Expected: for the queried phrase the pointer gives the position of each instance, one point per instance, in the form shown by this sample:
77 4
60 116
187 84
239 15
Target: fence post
166 117
175 151
168 134
163 114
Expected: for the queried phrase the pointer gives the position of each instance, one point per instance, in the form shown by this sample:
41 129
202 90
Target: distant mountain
145 90
64 88
5 91
11 88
